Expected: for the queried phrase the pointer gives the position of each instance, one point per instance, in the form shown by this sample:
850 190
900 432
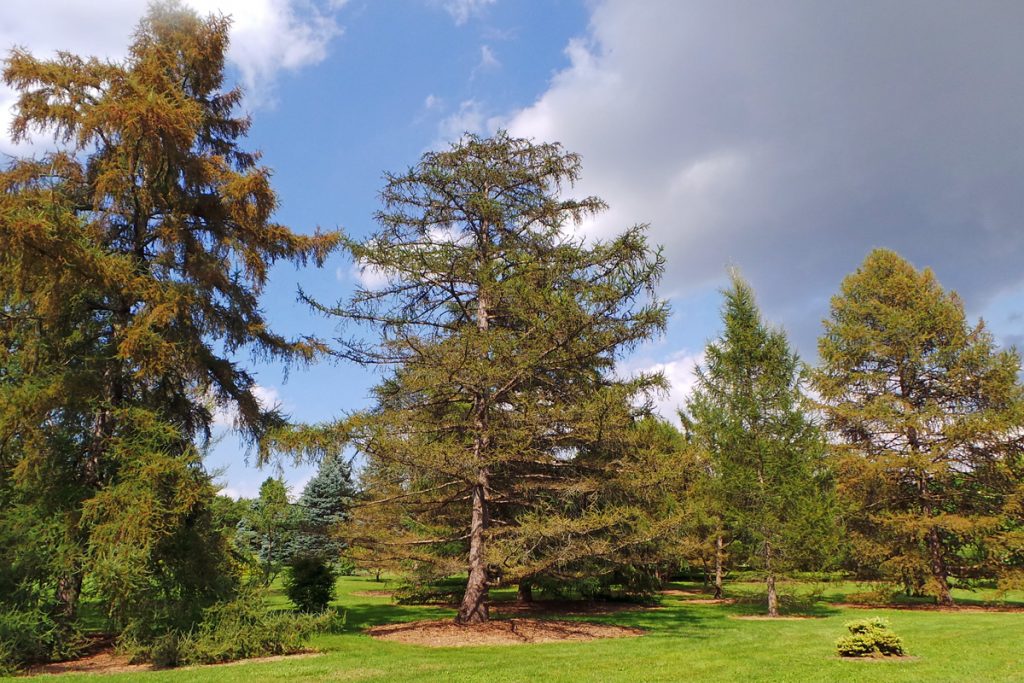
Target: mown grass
684 641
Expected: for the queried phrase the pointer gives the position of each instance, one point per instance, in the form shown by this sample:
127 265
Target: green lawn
684 642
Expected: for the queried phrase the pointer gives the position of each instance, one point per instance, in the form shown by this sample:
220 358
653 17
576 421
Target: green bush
309 584
870 638
29 636
239 629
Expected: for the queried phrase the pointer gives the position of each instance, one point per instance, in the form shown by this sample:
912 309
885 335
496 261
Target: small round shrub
309 584
870 638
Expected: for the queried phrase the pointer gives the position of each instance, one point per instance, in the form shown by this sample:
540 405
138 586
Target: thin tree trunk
719 561
524 593
473 609
773 596
69 589
939 572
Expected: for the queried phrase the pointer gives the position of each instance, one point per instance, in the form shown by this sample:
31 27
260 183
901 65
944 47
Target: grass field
683 642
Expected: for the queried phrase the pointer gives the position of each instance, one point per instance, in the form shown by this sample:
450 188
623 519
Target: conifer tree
131 263
501 331
928 414
323 507
748 413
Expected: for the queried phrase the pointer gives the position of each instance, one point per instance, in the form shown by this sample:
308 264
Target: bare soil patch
373 594
500 632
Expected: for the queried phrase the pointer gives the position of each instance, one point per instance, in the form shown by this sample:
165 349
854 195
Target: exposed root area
500 632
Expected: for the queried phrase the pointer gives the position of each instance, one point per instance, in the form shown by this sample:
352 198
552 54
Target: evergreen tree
268 528
928 414
747 412
501 331
131 262
323 507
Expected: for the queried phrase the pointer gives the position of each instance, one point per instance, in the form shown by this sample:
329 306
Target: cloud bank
789 138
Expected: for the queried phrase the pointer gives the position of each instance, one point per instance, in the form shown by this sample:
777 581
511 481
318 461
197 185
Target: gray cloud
789 138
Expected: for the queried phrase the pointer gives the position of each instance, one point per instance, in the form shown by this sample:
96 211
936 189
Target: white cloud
789 138
225 416
432 101
488 60
462 10
469 118
268 37
679 371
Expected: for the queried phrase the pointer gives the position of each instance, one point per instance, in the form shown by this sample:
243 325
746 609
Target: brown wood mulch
447 633
108 661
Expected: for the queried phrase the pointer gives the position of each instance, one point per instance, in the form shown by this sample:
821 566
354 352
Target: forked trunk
939 572
473 609
719 561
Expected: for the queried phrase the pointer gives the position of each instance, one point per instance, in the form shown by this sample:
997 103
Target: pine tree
747 412
928 414
269 527
131 263
501 331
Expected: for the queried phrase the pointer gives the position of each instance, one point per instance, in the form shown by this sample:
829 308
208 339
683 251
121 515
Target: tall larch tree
748 413
132 259
499 332
929 417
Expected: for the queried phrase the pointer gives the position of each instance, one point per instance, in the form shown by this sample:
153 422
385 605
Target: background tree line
503 443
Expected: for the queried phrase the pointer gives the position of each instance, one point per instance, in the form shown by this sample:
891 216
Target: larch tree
131 261
929 418
748 413
499 332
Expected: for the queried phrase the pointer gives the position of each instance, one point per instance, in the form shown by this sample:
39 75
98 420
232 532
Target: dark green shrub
29 636
309 584
870 638
239 629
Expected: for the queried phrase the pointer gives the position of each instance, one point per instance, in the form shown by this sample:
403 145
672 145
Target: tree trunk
719 561
525 592
939 568
473 609
69 588
773 597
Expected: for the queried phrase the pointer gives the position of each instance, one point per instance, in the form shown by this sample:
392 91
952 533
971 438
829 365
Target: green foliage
321 510
870 638
501 331
926 415
29 636
309 583
238 629
268 528
132 258
767 473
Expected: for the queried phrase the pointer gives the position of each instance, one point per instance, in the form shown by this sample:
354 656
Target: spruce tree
748 413
500 331
323 507
927 413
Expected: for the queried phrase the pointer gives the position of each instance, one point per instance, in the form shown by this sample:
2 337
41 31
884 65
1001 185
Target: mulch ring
568 607
765 617
373 594
108 661
690 597
447 633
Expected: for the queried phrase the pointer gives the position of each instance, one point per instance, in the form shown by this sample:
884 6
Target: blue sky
784 138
